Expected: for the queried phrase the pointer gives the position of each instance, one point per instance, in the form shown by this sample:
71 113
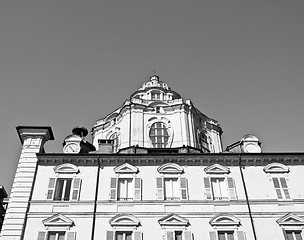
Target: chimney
105 145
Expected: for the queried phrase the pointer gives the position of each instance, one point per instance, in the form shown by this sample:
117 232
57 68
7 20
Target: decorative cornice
193 159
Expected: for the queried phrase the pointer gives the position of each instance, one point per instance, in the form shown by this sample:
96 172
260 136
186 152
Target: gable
173 220
290 219
126 168
217 169
58 220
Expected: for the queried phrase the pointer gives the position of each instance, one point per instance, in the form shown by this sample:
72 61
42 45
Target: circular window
159 135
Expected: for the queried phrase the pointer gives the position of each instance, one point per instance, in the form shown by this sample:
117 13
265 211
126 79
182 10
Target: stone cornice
225 159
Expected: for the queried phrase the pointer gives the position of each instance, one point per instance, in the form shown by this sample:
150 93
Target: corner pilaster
33 139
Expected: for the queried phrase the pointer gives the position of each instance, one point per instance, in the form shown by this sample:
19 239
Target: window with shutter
178 235
64 189
220 188
125 189
281 188
56 236
41 235
172 188
226 225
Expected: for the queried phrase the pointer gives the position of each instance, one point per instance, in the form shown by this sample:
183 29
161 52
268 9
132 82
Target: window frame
55 224
171 171
124 223
173 223
126 172
275 173
291 222
226 223
64 172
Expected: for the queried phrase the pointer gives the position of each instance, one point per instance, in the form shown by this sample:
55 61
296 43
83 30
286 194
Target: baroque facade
155 169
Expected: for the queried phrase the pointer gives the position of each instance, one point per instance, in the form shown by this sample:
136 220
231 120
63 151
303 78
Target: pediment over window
170 168
276 168
124 220
126 168
217 169
66 168
173 220
290 219
58 220
224 220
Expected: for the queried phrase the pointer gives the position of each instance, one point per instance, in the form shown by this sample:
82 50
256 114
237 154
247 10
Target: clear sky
68 63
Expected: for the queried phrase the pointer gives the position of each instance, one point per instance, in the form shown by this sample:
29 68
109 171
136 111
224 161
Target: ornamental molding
224 220
276 168
170 168
126 168
66 168
124 220
290 219
58 220
217 169
173 220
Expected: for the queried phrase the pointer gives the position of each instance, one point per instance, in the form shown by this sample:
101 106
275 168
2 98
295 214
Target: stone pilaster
33 139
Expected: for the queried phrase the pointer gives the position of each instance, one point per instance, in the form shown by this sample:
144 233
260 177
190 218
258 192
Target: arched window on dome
159 135
114 136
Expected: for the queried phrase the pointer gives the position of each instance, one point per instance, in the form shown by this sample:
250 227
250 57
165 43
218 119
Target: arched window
159 135
114 136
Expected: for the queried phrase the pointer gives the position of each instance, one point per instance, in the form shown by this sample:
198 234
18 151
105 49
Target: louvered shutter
187 235
169 235
137 235
41 235
113 189
212 235
240 235
277 187
207 184
184 188
160 188
231 188
71 236
285 188
137 189
110 235
51 188
76 189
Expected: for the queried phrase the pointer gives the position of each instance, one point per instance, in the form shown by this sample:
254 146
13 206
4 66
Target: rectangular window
172 188
220 188
123 236
125 189
178 235
293 235
63 189
281 188
225 236
56 235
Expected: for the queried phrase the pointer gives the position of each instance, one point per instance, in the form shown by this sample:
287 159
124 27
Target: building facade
155 170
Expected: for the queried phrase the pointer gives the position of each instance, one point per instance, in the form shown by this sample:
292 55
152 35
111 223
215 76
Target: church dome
155 89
